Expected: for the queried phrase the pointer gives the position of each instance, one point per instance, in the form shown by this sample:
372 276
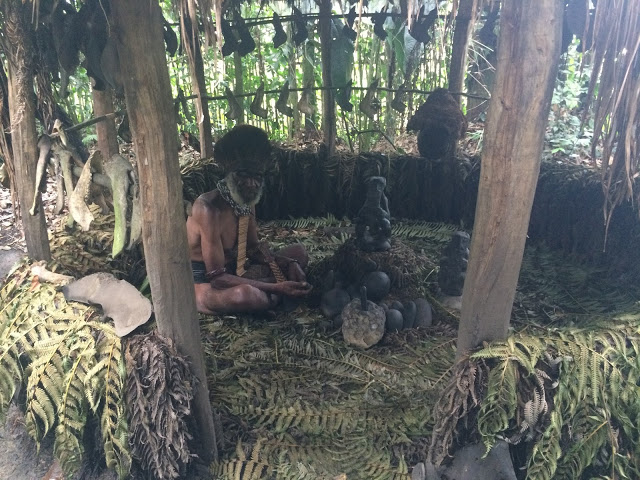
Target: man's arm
206 217
288 265
213 257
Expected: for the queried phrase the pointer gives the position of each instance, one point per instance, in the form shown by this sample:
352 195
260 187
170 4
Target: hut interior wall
566 215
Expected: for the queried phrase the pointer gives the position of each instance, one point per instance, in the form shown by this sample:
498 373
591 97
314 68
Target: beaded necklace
239 210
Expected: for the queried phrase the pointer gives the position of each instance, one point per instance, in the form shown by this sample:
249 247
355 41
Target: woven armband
214 273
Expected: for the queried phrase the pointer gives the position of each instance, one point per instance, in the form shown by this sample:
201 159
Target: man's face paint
246 187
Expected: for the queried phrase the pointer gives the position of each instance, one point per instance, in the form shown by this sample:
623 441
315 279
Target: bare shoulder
207 205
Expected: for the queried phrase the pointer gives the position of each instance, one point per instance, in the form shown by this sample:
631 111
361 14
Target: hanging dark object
348 30
351 16
283 99
256 105
247 43
65 41
304 105
300 33
420 28
280 36
170 39
350 33
93 34
343 96
440 123
378 20
230 40
181 102
370 105
235 110
397 103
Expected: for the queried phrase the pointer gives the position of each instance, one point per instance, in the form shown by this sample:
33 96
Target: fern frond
590 433
543 461
72 417
499 405
440 232
61 347
253 468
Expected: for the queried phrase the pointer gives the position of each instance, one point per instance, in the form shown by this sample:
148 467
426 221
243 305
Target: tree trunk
528 53
148 96
390 125
465 20
105 129
238 82
24 138
483 75
308 62
293 84
191 42
328 104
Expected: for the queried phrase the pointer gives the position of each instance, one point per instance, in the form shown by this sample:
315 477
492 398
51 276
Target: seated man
232 271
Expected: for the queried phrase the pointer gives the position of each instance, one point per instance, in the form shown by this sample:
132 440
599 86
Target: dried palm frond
160 389
616 75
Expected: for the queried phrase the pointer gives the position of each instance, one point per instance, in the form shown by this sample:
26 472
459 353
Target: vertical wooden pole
328 103
239 82
191 42
465 21
147 90
528 54
106 129
22 104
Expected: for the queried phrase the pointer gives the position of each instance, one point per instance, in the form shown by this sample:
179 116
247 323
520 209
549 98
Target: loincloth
199 271
254 272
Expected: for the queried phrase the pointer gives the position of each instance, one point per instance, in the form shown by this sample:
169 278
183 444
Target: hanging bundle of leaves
616 66
160 389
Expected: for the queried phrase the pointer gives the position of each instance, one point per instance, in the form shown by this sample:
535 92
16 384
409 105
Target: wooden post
465 20
106 129
308 62
24 138
191 43
238 83
138 28
328 103
528 54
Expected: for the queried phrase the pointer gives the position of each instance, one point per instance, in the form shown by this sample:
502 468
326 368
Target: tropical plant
69 364
569 394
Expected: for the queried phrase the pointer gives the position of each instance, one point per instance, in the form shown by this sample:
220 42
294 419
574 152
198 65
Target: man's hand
295 272
293 289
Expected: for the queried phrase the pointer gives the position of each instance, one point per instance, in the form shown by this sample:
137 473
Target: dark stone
424 314
333 301
397 305
373 223
378 285
394 322
453 264
418 472
409 314
352 290
470 463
